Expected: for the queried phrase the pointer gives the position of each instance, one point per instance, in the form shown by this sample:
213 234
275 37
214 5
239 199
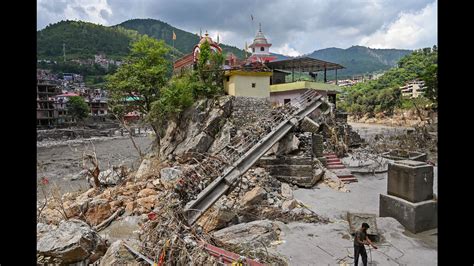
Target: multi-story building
46 88
413 89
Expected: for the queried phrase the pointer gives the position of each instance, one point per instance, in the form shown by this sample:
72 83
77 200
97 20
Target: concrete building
247 83
60 104
46 113
283 93
413 89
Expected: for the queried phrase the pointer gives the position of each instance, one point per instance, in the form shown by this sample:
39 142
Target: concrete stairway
335 165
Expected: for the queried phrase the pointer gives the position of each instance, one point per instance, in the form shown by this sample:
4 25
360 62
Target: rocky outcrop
196 129
72 241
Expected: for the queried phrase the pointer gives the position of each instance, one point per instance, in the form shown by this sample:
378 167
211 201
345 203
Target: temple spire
260 26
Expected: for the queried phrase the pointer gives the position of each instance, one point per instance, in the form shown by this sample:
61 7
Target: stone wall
247 110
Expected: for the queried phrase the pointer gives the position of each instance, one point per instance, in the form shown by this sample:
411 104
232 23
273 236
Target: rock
199 143
170 174
111 176
271 201
97 211
253 196
288 205
213 123
72 241
253 233
288 144
146 192
122 229
81 175
147 202
144 168
50 216
222 138
216 218
286 191
118 254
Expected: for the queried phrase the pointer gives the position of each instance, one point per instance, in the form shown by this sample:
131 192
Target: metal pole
336 76
325 80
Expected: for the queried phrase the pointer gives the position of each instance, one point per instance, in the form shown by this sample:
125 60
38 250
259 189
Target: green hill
82 40
359 59
184 42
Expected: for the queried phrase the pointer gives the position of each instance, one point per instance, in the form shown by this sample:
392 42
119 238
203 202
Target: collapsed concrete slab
256 233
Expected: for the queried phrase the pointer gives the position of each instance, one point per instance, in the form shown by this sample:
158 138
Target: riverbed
61 161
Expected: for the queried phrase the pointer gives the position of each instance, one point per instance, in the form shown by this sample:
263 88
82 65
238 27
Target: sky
293 27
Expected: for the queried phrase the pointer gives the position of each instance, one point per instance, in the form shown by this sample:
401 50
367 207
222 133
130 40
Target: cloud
292 26
286 50
410 30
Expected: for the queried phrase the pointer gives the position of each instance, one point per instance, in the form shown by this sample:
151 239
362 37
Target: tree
209 68
145 72
77 108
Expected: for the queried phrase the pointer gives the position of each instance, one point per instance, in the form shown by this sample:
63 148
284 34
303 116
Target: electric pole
64 52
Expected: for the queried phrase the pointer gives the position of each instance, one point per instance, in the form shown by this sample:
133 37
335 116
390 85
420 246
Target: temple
261 48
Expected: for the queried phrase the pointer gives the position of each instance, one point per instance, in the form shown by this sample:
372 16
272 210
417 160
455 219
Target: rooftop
304 85
303 64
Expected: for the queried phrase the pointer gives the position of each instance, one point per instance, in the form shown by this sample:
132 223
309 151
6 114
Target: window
262 49
254 85
285 101
228 79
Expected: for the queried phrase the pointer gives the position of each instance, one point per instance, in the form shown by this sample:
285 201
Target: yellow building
247 83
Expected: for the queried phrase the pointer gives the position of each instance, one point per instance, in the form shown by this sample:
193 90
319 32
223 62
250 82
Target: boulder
118 254
97 211
253 233
72 241
122 229
216 218
286 191
253 196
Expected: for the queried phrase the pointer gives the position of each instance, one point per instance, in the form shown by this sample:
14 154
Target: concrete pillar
410 196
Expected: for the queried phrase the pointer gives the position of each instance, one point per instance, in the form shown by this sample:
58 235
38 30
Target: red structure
188 61
261 49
